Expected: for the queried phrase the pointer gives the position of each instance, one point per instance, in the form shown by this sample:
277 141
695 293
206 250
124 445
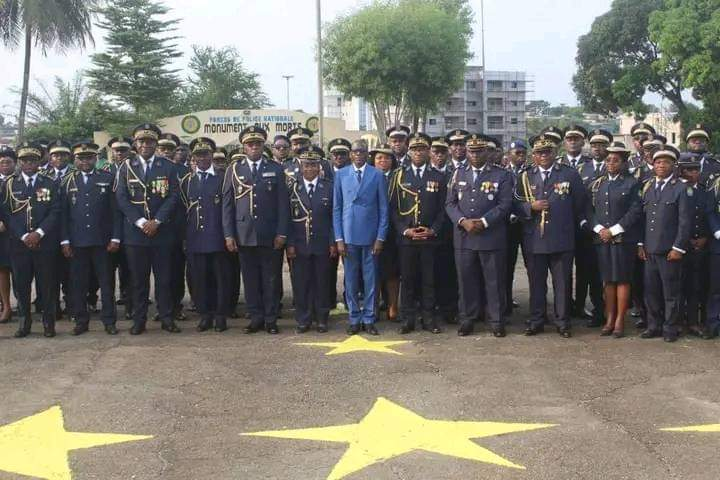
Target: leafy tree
71 111
136 68
619 62
687 33
57 24
404 57
219 80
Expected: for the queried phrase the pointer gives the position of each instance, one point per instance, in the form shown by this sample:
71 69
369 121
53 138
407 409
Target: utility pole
287 80
482 31
320 73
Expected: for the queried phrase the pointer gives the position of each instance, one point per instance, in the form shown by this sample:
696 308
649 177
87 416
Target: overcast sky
276 37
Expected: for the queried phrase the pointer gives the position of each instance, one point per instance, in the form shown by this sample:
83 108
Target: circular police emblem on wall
190 124
313 124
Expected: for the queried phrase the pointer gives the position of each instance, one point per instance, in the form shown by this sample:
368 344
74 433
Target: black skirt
4 250
616 261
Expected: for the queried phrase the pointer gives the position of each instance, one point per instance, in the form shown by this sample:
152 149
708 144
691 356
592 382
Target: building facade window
495 104
470 85
496 122
432 121
472 121
471 103
513 121
494 85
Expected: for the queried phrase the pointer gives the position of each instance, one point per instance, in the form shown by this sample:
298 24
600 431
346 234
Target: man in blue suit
360 221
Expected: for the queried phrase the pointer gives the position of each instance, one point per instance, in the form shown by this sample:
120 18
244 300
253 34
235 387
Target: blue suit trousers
360 275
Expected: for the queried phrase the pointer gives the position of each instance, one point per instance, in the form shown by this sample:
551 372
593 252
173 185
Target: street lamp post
320 72
287 81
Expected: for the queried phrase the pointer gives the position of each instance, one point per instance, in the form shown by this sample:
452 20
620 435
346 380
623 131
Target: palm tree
57 24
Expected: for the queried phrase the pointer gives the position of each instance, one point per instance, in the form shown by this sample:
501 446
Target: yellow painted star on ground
38 446
390 430
710 428
356 343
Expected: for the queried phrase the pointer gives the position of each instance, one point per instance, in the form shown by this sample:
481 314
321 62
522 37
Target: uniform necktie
546 178
476 175
658 186
29 187
86 177
254 170
417 173
203 177
359 175
311 190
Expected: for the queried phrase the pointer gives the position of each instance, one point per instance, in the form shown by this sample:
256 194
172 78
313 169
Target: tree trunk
26 83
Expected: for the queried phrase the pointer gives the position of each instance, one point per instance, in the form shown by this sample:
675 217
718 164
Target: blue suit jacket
360 210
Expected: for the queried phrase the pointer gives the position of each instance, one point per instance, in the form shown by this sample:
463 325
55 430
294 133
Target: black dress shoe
649 334
170 327
707 335
641 324
204 325
406 328
48 332
120 301
80 329
499 333
302 328
272 329
180 317
564 332
220 325
22 333
466 328
594 322
156 317
322 328
515 304
137 330
670 338
531 331
353 329
111 329
92 308
128 315
252 328
371 329
434 328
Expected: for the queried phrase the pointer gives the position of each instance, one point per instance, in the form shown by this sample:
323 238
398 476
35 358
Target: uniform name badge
217 199
460 191
432 187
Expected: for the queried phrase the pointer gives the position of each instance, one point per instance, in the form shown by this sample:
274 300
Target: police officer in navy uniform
712 317
256 212
574 138
640 132
549 198
119 149
417 200
90 231
398 139
201 195
300 140
147 195
339 149
31 212
697 142
58 167
446 284
695 264
666 238
517 164
479 201
167 144
643 172
458 149
587 274
311 242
